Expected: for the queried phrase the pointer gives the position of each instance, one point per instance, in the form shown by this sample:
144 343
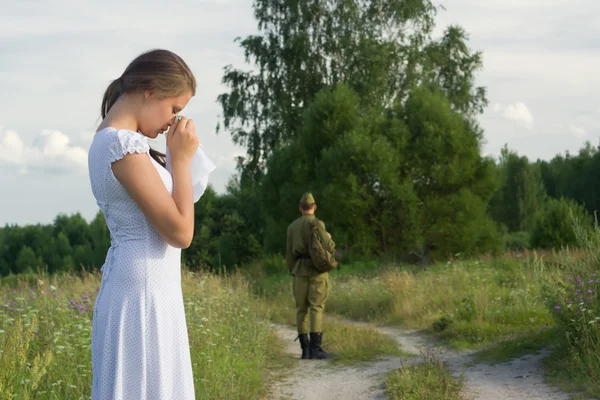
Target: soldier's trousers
311 294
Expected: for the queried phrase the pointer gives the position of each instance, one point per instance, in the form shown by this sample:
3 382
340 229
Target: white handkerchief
202 166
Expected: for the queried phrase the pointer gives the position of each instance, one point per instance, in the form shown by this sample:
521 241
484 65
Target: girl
140 347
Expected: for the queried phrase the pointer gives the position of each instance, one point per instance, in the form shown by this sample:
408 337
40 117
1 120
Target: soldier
311 287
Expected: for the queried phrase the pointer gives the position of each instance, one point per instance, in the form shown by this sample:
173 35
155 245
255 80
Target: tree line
357 102
532 206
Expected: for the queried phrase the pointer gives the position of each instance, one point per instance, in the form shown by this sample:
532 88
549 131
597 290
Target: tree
521 194
27 262
224 231
100 240
574 176
330 107
554 225
407 180
381 50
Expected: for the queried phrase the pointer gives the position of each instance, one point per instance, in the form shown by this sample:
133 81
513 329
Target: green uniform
310 287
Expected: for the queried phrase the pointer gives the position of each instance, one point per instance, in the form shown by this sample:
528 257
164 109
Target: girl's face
158 113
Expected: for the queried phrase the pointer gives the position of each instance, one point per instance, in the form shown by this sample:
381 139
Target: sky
540 63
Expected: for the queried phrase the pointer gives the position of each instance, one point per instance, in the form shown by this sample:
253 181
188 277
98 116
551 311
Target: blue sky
540 68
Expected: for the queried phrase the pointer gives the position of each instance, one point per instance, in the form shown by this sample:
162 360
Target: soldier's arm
328 243
289 254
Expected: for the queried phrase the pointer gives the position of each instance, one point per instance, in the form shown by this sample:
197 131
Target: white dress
140 347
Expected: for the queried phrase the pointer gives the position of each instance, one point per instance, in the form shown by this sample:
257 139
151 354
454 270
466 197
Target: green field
504 306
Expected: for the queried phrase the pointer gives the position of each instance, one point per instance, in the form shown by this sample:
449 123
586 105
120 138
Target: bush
517 241
554 224
274 264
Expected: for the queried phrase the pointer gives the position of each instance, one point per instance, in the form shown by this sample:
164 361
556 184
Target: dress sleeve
127 142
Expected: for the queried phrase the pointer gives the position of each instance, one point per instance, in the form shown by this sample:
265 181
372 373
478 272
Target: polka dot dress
140 347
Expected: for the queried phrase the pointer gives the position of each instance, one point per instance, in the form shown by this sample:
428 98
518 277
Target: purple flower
590 291
578 291
594 274
570 278
591 281
557 307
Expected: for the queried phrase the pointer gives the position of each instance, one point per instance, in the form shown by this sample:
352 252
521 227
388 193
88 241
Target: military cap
307 198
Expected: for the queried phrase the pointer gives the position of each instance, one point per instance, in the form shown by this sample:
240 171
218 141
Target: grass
516 347
352 343
467 304
505 307
567 371
429 380
45 338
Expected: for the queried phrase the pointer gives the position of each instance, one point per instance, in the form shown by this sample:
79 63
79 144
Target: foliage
521 192
554 225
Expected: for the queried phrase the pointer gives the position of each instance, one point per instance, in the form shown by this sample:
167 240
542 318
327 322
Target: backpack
323 260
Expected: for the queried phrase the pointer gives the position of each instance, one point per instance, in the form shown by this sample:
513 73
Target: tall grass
45 322
429 380
45 331
571 289
467 303
349 343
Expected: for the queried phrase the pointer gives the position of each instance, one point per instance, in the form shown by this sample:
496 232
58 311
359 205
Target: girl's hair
159 71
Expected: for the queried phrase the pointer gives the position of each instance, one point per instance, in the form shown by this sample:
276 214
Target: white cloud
577 131
518 112
50 151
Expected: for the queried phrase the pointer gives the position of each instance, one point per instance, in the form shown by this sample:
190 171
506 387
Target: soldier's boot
316 351
305 345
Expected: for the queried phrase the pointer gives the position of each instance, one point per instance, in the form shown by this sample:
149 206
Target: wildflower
590 291
591 281
570 278
557 307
